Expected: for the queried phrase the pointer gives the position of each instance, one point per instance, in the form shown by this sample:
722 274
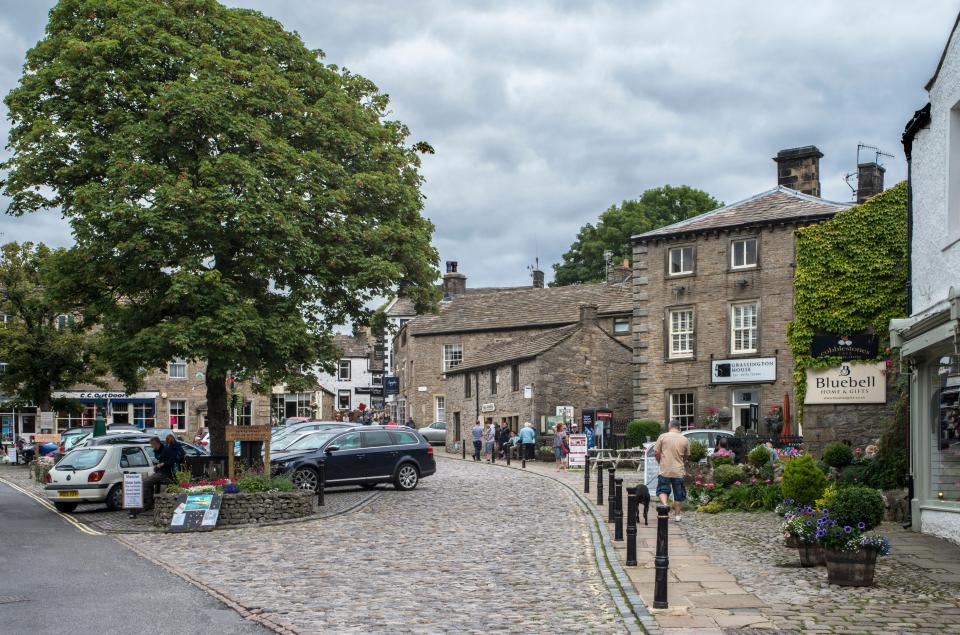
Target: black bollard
321 484
662 562
508 455
618 511
632 509
599 482
611 496
586 472
463 450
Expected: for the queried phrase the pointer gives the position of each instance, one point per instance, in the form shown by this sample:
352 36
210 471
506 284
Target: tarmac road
55 579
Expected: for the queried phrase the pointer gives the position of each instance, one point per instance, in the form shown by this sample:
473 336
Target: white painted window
343 399
743 327
343 372
452 356
681 333
439 408
177 368
682 409
681 261
63 321
178 414
743 254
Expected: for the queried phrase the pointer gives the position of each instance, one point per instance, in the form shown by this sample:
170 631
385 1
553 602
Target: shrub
713 507
261 483
827 498
858 504
888 470
720 459
545 453
802 481
838 455
759 456
854 474
727 475
639 429
698 451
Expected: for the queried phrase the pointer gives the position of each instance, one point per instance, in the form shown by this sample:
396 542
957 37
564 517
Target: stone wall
861 424
245 508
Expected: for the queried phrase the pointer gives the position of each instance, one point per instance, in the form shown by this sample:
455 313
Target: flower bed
245 508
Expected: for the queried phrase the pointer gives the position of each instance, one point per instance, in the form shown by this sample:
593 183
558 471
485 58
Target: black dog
643 498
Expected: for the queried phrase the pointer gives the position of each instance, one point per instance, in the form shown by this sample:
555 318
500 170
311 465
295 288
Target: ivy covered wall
851 275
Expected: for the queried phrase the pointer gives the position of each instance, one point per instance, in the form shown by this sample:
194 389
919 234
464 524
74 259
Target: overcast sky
543 114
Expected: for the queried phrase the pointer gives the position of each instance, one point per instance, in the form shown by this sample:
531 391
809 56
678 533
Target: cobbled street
472 549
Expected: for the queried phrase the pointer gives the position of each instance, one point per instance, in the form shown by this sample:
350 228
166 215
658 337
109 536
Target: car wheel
306 479
65 507
407 477
115 498
368 485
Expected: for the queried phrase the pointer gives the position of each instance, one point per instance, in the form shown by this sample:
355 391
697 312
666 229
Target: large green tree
45 341
660 206
232 197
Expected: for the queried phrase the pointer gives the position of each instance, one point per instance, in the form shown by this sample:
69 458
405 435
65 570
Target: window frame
342 364
179 425
177 362
733 253
693 261
674 415
447 361
515 377
467 385
493 381
732 330
349 395
439 407
691 334
625 321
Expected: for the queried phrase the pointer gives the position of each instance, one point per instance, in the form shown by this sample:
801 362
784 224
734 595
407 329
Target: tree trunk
217 416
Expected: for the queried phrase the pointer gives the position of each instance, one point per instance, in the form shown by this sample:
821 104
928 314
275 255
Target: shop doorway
746 409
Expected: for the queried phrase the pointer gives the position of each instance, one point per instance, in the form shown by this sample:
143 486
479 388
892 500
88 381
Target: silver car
435 433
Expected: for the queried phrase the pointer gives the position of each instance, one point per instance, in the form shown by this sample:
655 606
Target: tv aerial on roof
853 176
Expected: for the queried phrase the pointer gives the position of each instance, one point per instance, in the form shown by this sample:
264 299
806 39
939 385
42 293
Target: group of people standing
490 440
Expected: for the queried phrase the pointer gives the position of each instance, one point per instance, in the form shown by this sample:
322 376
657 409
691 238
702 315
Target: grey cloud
543 114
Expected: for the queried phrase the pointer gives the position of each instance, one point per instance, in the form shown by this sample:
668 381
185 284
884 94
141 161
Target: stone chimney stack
620 274
869 180
454 282
537 279
799 169
588 313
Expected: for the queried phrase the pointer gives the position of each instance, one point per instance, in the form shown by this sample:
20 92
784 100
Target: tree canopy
44 340
232 197
660 206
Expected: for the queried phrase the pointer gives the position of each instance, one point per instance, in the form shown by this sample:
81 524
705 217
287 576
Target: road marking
77 524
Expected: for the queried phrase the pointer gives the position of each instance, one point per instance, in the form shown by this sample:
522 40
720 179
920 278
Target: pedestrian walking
477 434
489 440
561 448
671 452
528 439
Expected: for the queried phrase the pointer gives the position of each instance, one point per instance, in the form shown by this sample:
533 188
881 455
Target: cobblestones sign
578 450
846 347
743 371
847 384
196 512
133 491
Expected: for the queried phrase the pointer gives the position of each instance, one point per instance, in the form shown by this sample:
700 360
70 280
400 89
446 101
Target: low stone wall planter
246 508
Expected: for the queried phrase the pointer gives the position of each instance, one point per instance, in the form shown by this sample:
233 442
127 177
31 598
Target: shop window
177 368
452 356
743 254
343 373
621 325
343 399
680 261
681 334
682 409
144 415
178 414
744 320
945 432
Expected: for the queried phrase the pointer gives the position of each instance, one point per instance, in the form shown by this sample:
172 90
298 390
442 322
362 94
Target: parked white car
94 475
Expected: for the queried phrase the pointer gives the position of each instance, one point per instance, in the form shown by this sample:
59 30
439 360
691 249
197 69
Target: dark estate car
363 455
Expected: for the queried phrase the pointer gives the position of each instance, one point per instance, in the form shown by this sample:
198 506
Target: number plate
69 493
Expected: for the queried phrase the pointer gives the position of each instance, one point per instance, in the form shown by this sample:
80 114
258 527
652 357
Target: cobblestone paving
337 501
459 554
916 588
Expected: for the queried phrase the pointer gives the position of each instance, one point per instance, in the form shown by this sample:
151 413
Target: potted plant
851 554
786 509
802 526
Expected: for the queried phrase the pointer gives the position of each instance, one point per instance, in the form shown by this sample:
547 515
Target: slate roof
351 346
523 308
516 350
403 307
778 204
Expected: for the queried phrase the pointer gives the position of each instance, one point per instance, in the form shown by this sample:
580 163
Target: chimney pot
619 274
588 313
454 283
799 169
537 279
869 180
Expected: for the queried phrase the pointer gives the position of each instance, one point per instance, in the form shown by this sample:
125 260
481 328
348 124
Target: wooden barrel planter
851 568
811 555
790 541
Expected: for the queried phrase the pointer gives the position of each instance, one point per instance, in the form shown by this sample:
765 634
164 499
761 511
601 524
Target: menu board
196 512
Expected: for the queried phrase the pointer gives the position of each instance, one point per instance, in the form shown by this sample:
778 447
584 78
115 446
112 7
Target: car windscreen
313 441
81 460
71 440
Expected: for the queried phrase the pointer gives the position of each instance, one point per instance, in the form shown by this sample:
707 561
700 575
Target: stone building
713 296
359 377
582 365
470 322
929 340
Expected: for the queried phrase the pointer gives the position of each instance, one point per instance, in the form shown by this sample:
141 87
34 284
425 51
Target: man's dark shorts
665 483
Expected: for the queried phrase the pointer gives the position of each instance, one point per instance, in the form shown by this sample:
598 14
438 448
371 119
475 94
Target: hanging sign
750 370
133 491
488 407
846 347
391 385
578 450
847 384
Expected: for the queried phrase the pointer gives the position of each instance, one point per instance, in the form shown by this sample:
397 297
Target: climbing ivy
851 276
